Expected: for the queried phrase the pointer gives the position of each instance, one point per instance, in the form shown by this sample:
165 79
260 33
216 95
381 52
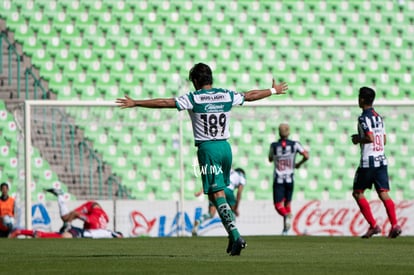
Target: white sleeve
183 102
238 98
242 180
299 147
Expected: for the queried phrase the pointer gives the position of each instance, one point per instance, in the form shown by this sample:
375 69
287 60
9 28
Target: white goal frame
29 104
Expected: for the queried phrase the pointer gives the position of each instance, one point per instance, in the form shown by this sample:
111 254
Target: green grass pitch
206 255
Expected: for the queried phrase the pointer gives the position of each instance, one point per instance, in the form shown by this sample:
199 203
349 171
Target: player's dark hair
4 184
367 94
201 73
240 170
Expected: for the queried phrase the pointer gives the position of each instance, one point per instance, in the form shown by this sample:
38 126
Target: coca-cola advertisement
341 218
322 218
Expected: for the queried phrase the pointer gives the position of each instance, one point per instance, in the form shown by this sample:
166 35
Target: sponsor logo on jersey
212 98
211 108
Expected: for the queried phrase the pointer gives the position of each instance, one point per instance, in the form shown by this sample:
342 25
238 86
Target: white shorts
97 233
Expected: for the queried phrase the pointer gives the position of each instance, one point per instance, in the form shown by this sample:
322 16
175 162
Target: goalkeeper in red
209 109
373 168
94 218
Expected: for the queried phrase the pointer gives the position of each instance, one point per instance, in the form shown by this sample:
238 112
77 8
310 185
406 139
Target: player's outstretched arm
128 102
277 89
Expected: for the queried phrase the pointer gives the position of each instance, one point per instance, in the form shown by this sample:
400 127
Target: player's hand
355 139
236 212
126 102
297 165
280 88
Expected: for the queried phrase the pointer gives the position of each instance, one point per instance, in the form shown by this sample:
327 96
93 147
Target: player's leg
34 234
287 219
363 180
98 234
289 187
210 213
63 209
216 159
229 222
279 201
231 199
47 235
206 216
21 232
279 196
382 187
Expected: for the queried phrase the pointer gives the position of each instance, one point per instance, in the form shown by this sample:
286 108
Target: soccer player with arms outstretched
373 169
209 109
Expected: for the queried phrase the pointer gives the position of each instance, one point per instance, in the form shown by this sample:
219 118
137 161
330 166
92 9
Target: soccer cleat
237 247
395 232
54 191
371 231
229 245
194 232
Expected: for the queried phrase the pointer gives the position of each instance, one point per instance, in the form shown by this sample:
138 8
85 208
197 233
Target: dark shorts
282 191
76 232
366 177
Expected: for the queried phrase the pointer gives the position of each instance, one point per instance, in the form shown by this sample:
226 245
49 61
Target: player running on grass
373 169
209 109
94 219
283 153
237 181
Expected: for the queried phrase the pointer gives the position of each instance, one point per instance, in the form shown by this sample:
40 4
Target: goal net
94 150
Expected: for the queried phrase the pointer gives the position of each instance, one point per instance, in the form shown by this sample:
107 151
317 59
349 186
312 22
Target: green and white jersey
209 112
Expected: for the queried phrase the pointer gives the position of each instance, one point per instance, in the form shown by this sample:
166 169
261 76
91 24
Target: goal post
29 104
138 142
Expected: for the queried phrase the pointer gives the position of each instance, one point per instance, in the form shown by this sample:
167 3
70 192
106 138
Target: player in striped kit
373 169
209 109
283 153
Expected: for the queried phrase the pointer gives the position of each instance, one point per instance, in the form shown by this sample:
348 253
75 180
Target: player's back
210 112
284 153
372 154
97 219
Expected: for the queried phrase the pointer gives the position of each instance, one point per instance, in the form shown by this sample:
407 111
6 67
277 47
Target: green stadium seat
313 46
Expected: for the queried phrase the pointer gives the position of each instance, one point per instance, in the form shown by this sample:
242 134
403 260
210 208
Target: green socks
205 217
227 217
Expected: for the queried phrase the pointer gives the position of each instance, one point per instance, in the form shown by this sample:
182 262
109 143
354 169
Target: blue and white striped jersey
283 152
372 154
